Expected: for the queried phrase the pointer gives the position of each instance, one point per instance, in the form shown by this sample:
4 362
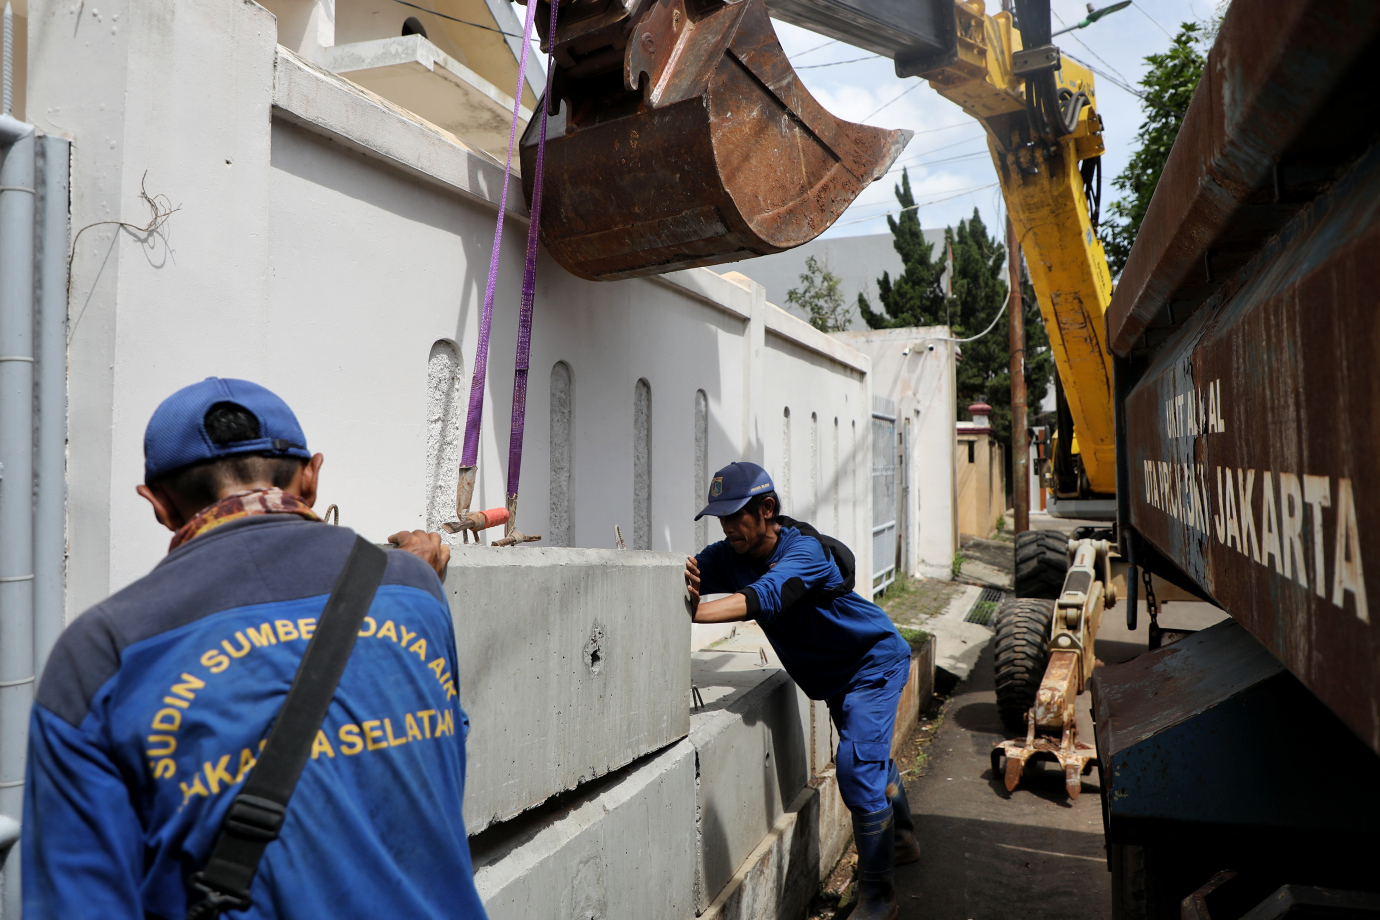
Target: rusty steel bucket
680 136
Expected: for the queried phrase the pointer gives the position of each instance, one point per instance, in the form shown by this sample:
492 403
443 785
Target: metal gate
884 505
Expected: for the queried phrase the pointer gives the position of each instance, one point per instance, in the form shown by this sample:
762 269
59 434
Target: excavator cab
679 134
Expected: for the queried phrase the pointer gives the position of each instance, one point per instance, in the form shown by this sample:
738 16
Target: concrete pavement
1029 854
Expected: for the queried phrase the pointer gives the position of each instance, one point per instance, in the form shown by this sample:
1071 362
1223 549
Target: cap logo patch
716 488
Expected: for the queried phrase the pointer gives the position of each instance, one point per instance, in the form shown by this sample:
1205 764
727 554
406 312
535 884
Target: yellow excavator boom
1044 189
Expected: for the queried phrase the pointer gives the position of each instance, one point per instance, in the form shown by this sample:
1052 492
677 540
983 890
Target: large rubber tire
1042 561
1023 626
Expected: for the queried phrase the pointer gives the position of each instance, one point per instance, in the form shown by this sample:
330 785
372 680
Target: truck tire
1042 561
1022 626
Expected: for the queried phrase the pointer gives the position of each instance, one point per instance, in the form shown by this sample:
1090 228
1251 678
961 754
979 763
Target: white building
331 243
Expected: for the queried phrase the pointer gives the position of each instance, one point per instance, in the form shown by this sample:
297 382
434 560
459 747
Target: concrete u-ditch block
623 847
752 745
784 870
572 664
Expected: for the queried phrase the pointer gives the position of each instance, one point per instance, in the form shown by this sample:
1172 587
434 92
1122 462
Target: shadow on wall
784 772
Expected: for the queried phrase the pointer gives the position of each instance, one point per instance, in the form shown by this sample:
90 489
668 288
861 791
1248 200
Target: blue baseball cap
176 435
732 486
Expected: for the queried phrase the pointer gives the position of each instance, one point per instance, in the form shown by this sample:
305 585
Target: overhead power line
870 57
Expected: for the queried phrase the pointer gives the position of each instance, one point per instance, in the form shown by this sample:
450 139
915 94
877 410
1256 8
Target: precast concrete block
784 870
752 741
572 664
623 846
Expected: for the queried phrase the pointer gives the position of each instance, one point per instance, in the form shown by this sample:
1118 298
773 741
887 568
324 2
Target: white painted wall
325 242
922 384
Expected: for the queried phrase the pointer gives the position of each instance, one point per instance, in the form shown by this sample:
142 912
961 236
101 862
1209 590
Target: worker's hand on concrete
692 583
429 546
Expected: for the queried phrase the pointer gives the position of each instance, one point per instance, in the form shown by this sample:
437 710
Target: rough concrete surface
572 664
622 847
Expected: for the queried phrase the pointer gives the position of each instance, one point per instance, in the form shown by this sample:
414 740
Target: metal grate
985 608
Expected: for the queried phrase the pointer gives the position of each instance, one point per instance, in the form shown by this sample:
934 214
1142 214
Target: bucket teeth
717 152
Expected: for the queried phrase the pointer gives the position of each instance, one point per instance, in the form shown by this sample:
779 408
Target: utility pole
1020 445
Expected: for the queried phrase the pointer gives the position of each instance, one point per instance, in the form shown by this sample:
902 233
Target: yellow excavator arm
1044 187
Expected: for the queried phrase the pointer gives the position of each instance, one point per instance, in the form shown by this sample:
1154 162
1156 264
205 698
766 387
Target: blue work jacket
155 703
824 634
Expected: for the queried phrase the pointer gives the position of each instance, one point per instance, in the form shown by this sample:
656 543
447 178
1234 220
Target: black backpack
837 551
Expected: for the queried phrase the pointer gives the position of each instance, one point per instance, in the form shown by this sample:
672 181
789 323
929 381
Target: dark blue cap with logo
176 435
732 486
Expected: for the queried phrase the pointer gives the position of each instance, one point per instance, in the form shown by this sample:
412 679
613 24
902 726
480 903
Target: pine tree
820 295
1169 86
916 297
984 371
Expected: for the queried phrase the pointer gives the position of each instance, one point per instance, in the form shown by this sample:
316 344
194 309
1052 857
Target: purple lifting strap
529 287
470 454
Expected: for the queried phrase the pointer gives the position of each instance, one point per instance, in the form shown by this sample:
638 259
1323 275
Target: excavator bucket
681 136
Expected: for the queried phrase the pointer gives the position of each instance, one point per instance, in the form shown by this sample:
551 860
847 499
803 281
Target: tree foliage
1168 86
984 370
916 297
820 295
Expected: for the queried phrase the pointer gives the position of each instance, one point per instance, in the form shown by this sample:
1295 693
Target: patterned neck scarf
240 505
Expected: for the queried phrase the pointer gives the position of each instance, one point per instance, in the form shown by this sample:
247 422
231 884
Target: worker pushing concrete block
572 664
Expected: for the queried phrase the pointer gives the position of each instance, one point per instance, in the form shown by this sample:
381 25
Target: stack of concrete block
572 665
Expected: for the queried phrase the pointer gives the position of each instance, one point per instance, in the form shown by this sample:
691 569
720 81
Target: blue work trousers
865 715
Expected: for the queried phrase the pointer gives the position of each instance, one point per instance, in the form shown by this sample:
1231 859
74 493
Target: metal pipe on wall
16 483
50 455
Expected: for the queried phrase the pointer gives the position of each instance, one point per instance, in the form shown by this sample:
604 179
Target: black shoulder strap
257 813
842 556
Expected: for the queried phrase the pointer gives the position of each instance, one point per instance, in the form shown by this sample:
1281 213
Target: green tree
820 295
1168 86
984 371
916 298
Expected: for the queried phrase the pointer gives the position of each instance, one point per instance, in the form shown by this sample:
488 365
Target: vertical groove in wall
561 528
814 467
642 466
853 518
701 467
783 480
444 423
834 483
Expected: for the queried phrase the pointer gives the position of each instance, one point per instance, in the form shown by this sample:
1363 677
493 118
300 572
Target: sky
947 159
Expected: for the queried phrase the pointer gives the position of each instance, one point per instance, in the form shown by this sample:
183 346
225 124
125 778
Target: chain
1150 603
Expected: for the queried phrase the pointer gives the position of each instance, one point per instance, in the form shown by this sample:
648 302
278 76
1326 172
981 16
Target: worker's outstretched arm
724 610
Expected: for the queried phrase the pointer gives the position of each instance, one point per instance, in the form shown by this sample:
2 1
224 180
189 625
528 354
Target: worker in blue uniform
155 704
798 585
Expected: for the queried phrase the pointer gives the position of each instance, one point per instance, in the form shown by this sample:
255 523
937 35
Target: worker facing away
798 585
156 704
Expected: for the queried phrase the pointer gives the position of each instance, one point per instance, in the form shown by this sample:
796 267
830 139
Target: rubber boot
872 833
907 847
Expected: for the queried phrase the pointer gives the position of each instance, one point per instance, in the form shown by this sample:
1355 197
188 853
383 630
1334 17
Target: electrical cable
923 204
1151 18
916 86
834 41
974 338
870 57
466 22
